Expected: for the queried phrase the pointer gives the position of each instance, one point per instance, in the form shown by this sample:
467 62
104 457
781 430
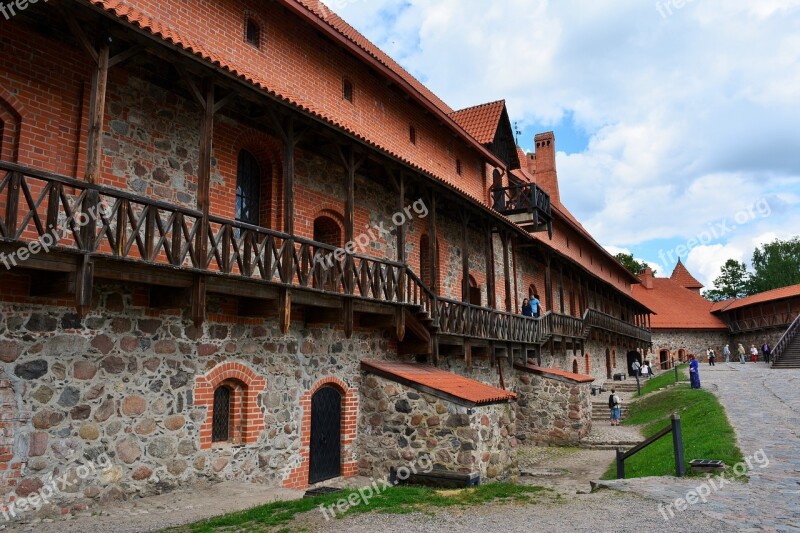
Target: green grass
665 379
707 434
396 500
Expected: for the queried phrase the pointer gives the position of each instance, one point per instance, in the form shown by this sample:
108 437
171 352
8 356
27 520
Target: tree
733 282
631 264
775 265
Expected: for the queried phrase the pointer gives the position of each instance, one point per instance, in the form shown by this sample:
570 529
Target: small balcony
527 205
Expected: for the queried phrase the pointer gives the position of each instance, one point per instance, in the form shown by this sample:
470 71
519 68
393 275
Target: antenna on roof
517 132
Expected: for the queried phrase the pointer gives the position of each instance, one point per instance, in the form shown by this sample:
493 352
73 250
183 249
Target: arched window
425 260
248 186
327 231
221 425
253 32
412 134
575 366
474 291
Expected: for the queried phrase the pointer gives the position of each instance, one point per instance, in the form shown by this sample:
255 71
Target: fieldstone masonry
552 412
398 425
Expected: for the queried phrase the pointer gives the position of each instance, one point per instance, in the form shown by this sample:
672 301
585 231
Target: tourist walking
647 372
637 368
753 353
694 372
726 351
741 353
712 357
527 310
766 351
614 403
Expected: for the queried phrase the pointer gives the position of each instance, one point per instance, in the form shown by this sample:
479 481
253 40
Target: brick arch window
229 393
298 476
574 366
474 291
327 230
248 188
10 125
347 90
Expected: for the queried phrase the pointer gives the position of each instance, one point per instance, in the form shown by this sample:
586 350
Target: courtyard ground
763 406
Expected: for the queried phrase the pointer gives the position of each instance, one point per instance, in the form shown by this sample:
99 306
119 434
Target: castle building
241 242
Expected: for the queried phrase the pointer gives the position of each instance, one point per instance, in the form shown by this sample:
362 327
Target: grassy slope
707 434
665 378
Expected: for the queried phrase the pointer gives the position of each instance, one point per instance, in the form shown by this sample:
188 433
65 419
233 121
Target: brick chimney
646 278
542 165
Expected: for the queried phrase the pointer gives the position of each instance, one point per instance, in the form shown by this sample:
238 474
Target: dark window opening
347 90
248 185
253 33
221 424
412 134
458 167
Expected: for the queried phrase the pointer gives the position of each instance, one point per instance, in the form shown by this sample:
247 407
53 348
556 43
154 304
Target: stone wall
123 382
552 412
757 338
691 342
399 425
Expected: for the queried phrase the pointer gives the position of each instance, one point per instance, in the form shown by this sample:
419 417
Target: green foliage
707 434
732 282
776 265
396 500
631 264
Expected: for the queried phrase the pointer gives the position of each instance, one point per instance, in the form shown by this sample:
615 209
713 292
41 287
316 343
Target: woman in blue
694 372
526 308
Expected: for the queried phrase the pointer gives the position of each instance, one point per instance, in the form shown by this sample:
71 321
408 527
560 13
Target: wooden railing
761 322
526 198
786 340
466 320
593 318
101 221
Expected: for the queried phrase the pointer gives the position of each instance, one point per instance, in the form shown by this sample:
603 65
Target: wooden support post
350 166
464 259
548 281
504 238
514 243
401 251
468 354
561 303
203 201
400 322
433 245
94 141
490 276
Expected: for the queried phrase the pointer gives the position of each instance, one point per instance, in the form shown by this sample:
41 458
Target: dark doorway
474 292
681 355
608 363
248 185
633 355
325 454
575 366
663 357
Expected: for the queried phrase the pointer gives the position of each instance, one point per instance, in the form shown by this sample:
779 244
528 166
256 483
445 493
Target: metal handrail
786 338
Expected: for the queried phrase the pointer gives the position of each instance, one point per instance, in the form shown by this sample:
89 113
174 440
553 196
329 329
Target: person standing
526 308
753 353
741 353
712 357
614 403
536 306
726 351
694 372
637 368
766 351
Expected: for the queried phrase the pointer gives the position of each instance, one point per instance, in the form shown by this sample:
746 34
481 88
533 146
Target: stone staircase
791 356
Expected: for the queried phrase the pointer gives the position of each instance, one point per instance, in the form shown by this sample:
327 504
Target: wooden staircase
786 353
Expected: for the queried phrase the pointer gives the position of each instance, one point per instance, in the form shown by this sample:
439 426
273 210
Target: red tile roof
684 278
775 294
481 121
719 306
677 307
555 373
435 380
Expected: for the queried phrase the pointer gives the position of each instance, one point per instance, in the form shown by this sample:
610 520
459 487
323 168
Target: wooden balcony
527 205
88 231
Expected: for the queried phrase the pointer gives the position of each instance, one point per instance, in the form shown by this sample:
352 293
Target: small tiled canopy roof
481 121
684 278
555 373
438 382
791 291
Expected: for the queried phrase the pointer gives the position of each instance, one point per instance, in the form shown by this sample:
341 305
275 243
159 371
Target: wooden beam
400 323
464 259
94 141
468 354
504 238
490 275
433 244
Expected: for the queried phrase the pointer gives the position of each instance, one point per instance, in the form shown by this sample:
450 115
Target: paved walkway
763 406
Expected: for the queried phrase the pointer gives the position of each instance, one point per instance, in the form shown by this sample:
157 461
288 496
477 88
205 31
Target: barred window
221 424
253 32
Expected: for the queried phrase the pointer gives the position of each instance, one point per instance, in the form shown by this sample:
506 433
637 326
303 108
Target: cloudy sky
677 122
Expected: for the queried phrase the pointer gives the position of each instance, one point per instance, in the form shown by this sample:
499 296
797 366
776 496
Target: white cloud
691 117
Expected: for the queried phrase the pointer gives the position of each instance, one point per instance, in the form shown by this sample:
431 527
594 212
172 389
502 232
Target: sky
677 122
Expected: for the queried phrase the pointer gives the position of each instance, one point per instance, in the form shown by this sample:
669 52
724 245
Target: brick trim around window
247 418
298 476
